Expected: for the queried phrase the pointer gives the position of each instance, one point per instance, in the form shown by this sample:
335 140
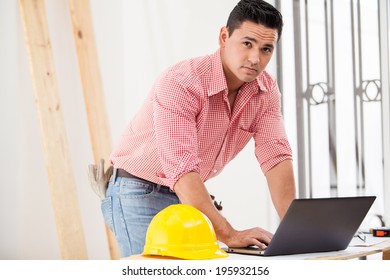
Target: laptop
315 225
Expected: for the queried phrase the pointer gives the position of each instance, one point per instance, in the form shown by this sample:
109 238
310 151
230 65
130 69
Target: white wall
136 40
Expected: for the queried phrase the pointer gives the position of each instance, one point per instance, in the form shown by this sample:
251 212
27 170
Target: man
198 116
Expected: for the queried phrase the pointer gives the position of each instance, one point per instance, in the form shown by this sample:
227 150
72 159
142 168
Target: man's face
247 51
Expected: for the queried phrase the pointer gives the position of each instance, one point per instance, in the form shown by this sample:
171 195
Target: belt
124 174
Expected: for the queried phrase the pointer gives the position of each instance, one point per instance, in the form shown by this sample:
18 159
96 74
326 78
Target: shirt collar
218 81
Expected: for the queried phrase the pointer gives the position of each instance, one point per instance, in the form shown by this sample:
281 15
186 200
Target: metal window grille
317 94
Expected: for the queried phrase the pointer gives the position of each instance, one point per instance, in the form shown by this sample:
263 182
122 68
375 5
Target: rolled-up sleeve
271 143
175 108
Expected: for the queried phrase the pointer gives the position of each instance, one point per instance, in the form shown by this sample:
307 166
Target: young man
198 116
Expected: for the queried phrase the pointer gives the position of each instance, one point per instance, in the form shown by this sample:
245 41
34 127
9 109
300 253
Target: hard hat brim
187 254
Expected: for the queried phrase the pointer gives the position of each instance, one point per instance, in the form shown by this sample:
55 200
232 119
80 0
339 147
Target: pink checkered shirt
186 124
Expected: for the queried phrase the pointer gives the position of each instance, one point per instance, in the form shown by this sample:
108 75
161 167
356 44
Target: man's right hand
254 236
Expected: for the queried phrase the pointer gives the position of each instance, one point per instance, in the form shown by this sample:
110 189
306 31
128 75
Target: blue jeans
129 207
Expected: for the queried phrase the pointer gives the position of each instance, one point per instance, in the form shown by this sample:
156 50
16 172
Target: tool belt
119 172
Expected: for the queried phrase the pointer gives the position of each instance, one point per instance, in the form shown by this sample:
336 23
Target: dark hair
256 11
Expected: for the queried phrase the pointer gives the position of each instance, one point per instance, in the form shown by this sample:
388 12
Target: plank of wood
93 91
53 133
91 78
386 254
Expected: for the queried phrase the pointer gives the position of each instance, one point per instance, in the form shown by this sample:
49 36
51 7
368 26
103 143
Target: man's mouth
250 69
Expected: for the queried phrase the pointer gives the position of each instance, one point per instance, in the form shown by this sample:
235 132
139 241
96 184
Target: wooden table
361 252
382 245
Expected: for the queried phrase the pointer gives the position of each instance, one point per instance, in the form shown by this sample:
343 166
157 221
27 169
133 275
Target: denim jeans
129 207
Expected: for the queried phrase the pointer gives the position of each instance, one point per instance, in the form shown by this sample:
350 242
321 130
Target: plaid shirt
186 124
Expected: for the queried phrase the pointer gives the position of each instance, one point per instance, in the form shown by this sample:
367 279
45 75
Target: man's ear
223 35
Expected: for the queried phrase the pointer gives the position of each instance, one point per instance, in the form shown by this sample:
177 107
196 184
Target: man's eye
247 44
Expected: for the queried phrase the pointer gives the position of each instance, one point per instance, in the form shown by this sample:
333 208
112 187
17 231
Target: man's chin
249 79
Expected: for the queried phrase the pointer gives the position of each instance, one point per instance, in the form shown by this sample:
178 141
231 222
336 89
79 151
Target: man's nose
254 58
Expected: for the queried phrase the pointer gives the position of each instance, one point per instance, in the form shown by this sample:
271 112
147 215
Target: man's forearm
191 190
281 184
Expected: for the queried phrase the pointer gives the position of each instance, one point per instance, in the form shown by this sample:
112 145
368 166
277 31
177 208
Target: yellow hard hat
182 231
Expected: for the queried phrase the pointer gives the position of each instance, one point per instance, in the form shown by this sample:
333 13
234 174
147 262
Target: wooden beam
386 254
55 146
91 78
93 91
